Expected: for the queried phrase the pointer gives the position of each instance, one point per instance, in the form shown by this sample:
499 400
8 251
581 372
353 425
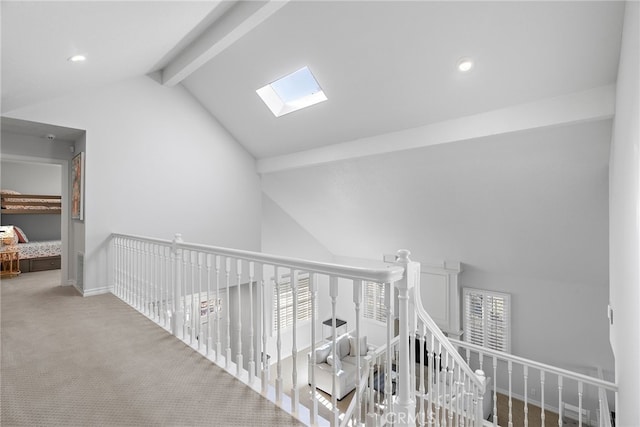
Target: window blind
487 319
286 302
374 302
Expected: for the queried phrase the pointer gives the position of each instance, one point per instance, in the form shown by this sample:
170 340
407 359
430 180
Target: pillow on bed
22 238
8 234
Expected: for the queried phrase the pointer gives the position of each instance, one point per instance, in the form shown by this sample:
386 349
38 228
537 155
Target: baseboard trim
96 291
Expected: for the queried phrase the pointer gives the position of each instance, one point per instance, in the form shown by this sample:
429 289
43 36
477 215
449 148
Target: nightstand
10 261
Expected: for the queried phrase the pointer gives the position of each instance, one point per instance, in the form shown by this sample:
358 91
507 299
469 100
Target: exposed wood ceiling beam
243 17
590 105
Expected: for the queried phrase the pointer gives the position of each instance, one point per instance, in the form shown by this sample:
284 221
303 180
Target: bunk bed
14 203
32 255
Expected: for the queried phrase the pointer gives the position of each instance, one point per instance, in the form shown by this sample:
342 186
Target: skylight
292 92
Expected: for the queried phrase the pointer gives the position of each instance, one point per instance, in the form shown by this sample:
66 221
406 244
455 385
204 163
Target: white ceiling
120 39
384 65
387 66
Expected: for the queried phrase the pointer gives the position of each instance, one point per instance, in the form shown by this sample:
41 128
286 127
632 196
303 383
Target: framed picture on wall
77 187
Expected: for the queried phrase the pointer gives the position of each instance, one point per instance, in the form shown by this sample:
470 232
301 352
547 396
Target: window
292 92
374 302
487 319
286 302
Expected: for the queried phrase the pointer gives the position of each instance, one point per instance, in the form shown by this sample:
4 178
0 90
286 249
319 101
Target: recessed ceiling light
292 92
465 64
77 58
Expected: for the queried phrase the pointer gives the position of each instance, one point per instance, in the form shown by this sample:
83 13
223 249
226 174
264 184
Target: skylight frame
276 95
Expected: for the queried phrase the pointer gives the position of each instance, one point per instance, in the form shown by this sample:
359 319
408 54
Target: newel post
405 403
177 315
480 397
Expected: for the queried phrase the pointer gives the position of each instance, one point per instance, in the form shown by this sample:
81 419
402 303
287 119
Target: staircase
228 305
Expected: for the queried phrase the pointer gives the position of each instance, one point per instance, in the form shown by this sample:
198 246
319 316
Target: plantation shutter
286 302
487 319
374 302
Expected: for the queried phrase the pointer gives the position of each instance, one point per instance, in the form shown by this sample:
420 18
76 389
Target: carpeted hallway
74 361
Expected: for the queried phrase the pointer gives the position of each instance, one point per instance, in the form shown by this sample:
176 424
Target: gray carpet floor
74 361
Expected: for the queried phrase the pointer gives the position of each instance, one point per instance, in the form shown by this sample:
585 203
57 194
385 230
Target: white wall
525 213
156 164
29 148
282 235
624 229
31 177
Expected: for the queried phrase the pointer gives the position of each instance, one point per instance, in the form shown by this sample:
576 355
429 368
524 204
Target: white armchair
346 364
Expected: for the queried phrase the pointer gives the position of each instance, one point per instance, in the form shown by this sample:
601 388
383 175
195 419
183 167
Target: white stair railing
439 388
219 301
448 392
549 389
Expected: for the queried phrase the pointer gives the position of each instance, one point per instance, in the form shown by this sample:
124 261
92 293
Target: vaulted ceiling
385 66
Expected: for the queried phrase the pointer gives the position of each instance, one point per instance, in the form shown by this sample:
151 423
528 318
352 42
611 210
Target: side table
9 262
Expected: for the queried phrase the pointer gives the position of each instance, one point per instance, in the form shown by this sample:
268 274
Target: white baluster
239 357
154 282
218 308
510 370
450 370
371 402
432 375
252 363
313 287
357 299
146 282
132 275
276 287
207 262
227 273
495 392
422 351
264 332
136 274
177 318
165 274
116 266
121 259
479 405
560 411
542 398
526 404
198 307
438 367
295 398
132 271
460 392
580 390
388 298
185 270
333 293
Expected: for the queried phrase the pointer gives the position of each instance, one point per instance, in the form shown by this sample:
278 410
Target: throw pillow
343 346
322 353
337 362
22 238
354 347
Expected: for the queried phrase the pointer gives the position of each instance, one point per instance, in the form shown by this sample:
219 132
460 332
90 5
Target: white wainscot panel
440 294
